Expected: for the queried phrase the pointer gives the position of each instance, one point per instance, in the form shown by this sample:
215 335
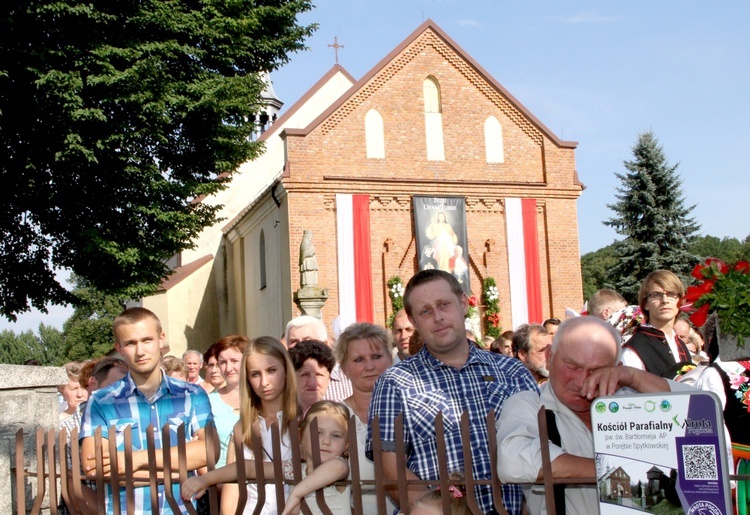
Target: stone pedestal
310 300
28 400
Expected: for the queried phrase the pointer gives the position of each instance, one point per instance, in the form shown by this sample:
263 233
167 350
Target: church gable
427 121
483 128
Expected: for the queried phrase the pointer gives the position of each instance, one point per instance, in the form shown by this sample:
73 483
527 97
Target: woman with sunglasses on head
654 346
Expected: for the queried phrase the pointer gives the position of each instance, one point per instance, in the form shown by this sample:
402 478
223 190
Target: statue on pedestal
308 263
310 297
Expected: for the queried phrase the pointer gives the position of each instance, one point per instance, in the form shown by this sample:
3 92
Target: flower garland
741 383
491 298
725 290
472 311
472 322
396 293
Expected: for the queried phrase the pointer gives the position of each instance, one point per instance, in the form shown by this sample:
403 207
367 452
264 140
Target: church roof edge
336 68
425 26
181 273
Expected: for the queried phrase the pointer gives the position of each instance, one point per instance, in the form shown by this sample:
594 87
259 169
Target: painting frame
441 236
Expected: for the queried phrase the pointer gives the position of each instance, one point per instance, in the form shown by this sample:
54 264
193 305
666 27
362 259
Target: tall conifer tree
650 213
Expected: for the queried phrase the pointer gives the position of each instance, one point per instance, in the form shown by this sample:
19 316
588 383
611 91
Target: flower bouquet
724 295
491 299
396 293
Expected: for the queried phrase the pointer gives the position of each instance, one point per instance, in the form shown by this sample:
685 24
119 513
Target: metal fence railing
55 467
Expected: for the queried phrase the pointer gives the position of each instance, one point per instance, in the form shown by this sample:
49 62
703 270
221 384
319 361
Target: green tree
17 348
47 347
88 332
595 268
728 250
53 344
115 118
651 215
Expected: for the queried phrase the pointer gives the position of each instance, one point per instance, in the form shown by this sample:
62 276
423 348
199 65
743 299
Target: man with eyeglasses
655 347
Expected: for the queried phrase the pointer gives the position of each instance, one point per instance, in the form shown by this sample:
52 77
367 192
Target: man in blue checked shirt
145 396
450 375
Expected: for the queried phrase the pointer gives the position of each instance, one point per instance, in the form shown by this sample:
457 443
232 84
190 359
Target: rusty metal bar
260 475
403 492
239 462
98 465
294 441
471 495
354 466
115 469
36 508
65 485
278 466
20 475
377 458
315 451
442 456
52 471
167 466
212 444
151 451
129 487
497 487
77 476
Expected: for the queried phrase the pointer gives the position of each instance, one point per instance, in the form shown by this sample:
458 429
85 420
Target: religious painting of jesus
440 226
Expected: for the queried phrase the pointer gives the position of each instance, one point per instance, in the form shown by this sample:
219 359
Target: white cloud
469 23
589 17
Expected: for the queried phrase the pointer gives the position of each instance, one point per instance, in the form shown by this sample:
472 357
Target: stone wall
28 400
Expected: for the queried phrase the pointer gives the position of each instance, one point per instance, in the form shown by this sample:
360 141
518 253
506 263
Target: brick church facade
425 121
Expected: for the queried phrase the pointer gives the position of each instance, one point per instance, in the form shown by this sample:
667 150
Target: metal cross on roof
336 47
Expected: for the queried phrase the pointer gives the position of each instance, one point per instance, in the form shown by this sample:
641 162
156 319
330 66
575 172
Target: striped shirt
340 387
122 404
422 386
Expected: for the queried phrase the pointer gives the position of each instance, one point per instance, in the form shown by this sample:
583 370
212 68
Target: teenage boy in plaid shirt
145 396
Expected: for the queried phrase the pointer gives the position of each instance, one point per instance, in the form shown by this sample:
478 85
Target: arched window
374 138
493 140
433 120
431 96
262 259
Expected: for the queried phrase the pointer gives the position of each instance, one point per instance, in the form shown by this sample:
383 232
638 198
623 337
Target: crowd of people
425 365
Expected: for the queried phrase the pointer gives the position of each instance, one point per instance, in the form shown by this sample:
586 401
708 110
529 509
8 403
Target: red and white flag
354 261
523 261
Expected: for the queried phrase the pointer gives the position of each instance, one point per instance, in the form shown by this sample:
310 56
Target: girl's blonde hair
175 365
434 501
331 408
250 403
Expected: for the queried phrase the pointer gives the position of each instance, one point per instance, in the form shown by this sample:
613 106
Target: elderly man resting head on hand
582 367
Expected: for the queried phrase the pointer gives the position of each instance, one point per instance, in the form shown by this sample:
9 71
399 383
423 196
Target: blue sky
595 72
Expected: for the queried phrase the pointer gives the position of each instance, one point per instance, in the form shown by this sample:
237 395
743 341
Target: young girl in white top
268 396
333 423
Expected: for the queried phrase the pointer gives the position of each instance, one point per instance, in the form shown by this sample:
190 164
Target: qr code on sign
700 462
